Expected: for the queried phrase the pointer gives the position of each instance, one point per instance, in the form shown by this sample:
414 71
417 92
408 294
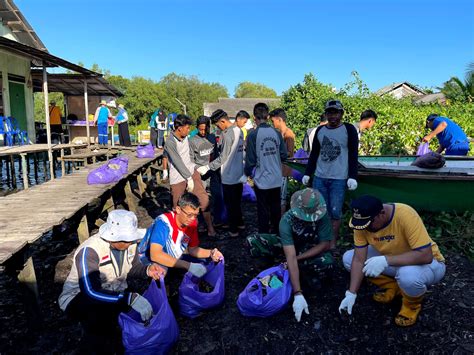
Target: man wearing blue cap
394 251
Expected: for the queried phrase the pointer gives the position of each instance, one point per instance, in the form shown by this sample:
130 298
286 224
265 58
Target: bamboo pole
48 124
86 107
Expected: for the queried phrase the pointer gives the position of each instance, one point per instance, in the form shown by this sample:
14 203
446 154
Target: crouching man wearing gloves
394 251
305 235
173 233
96 289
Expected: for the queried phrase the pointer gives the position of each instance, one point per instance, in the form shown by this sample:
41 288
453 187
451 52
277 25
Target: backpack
144 246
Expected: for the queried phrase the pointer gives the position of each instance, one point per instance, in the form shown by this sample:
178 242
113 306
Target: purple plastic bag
145 151
248 194
160 334
253 303
300 153
192 301
122 162
104 174
423 149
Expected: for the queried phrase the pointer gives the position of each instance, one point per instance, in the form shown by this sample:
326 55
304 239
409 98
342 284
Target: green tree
247 89
458 91
38 99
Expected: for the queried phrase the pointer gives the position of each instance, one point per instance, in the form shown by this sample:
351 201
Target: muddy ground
446 324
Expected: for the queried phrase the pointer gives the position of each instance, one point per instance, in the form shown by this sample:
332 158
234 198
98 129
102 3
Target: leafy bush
400 124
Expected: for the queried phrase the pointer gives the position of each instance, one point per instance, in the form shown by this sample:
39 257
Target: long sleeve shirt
179 157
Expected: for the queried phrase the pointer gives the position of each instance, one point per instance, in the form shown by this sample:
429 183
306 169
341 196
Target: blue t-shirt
451 135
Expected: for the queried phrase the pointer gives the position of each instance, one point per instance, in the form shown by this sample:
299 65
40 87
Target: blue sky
272 42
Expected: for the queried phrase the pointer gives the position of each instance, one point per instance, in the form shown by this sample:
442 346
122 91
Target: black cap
364 209
334 104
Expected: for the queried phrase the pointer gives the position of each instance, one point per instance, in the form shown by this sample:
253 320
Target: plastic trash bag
256 300
300 153
430 160
423 149
122 162
192 301
248 194
145 151
156 336
105 174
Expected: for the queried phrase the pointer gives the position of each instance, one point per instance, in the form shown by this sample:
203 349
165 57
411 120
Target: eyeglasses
190 215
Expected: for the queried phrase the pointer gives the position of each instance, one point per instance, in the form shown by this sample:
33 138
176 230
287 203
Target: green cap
308 205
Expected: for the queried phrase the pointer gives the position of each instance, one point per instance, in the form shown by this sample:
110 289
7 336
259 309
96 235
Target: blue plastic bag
121 161
105 174
423 149
254 302
145 151
248 194
300 153
160 334
192 301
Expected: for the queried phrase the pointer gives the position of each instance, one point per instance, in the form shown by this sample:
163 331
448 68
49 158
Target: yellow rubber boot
411 307
389 288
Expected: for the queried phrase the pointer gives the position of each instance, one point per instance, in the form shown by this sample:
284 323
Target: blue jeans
461 148
333 191
103 134
161 138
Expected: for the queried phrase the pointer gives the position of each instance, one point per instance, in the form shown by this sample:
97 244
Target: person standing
101 117
451 137
203 149
368 119
153 126
55 120
182 174
278 117
394 251
334 157
241 120
310 132
263 161
162 127
230 161
122 120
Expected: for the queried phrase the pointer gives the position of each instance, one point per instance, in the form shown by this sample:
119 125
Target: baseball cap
334 104
308 204
364 210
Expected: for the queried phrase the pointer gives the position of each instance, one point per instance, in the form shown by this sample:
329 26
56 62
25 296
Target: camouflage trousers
269 245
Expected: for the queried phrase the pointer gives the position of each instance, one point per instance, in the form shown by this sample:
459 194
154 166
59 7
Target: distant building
232 106
400 90
437 97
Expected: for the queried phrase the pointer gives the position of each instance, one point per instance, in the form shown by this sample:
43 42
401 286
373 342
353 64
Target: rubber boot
389 288
411 307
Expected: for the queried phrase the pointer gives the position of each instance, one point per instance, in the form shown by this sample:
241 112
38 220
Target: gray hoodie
179 156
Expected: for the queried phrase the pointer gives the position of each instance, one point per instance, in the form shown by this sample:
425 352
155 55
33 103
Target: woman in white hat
96 289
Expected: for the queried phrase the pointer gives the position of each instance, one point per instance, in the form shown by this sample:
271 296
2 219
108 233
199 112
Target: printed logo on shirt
385 238
206 152
185 240
269 150
330 149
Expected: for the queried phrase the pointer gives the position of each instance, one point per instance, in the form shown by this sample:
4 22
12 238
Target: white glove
374 266
203 169
348 302
305 180
197 269
190 185
299 304
142 306
351 184
243 179
165 174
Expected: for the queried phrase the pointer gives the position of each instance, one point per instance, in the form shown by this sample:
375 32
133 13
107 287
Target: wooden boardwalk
26 215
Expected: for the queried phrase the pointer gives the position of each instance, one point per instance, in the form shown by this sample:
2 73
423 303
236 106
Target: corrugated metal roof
12 18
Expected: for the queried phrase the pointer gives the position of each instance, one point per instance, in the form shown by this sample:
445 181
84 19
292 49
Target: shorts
333 191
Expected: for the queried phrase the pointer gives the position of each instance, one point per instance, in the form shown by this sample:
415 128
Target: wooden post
86 110
12 167
109 204
149 177
141 184
27 278
35 163
63 166
48 124
45 167
129 198
24 170
83 229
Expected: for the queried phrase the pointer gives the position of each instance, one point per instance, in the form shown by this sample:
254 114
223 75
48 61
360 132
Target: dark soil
446 324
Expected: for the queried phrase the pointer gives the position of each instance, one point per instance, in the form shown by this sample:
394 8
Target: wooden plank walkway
26 215
36 148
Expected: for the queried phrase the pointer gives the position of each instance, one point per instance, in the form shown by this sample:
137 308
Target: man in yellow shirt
394 251
55 118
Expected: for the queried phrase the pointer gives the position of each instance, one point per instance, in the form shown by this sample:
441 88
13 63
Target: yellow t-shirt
405 232
54 115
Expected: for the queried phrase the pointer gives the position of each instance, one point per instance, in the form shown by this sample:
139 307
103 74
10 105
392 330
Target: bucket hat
308 204
121 226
